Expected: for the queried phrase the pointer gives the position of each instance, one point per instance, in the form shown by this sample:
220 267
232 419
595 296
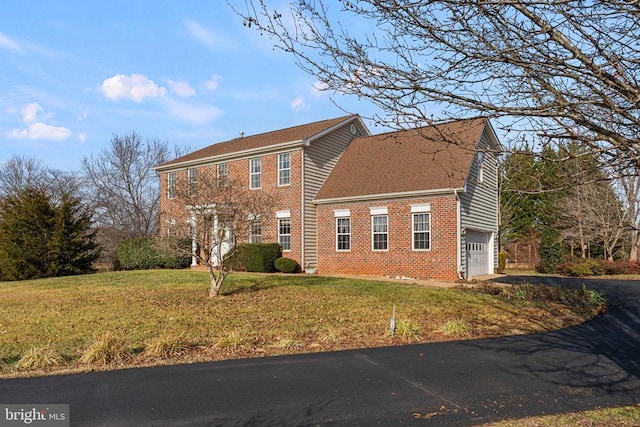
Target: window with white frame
421 227
255 232
343 229
284 169
284 229
171 185
192 178
223 173
255 173
379 229
480 166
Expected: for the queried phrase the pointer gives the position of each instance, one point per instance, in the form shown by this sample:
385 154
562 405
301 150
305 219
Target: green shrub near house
260 257
287 265
145 253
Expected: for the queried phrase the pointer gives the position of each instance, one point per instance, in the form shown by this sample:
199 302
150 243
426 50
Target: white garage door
477 253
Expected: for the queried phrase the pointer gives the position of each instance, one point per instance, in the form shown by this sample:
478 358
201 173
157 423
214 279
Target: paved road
458 383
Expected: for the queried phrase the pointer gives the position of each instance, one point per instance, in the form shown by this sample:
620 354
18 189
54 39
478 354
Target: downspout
458 236
303 210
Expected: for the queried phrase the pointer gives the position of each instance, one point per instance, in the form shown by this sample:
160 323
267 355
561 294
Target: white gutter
231 156
398 195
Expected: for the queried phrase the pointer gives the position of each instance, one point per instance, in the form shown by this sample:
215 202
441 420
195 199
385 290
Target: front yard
136 318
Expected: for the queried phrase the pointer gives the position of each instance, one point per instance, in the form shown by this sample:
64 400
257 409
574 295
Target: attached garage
479 253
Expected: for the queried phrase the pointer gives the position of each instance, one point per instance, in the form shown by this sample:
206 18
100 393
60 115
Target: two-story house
420 203
290 164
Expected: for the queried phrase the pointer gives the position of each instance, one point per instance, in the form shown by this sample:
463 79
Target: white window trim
286 213
222 178
480 166
341 212
252 173
280 218
424 207
337 218
171 187
192 181
373 234
280 170
413 231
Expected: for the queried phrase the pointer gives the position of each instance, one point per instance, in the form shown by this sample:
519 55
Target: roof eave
387 196
230 156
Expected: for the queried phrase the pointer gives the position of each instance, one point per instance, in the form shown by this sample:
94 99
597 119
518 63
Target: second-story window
223 174
284 169
192 177
171 185
255 175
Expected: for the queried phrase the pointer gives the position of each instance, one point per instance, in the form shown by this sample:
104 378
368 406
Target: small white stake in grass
393 321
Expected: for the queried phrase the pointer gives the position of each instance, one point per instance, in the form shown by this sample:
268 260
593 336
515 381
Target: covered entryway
479 253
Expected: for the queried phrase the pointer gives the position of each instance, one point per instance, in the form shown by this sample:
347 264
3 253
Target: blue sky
74 73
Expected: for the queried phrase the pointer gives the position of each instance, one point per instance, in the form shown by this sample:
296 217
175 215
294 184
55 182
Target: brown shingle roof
430 158
253 142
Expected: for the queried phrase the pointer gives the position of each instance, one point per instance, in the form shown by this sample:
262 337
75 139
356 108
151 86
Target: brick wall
286 197
400 259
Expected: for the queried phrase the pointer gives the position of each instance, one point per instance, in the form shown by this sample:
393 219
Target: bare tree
553 71
19 173
630 193
221 212
123 189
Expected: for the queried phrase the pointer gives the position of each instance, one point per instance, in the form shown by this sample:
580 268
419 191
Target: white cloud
82 137
135 87
299 104
214 82
201 34
196 113
181 88
8 43
30 112
39 130
317 88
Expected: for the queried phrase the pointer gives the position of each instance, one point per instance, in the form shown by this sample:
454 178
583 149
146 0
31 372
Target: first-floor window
380 232
421 231
284 233
256 231
343 234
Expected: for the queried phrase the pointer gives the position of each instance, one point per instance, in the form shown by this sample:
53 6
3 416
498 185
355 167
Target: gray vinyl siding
479 201
319 160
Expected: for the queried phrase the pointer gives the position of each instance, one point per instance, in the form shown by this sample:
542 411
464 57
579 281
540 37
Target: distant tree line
56 223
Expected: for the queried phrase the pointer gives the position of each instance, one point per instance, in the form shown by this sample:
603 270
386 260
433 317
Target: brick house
290 164
421 203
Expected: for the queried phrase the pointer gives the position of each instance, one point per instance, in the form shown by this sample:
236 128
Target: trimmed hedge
260 257
287 265
145 253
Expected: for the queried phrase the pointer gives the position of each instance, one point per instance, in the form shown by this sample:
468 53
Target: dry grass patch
108 348
37 358
168 345
626 416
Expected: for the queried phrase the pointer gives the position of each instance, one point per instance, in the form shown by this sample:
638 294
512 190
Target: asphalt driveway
596 364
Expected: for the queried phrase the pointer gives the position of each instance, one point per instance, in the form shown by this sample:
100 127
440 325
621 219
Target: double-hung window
171 185
284 229
223 173
480 166
379 229
192 178
343 229
255 235
421 225
255 173
284 169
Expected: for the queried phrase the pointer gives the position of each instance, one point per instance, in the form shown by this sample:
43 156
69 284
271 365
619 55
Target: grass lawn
136 318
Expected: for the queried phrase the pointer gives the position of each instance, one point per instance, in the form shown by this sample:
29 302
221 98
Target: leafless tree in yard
545 71
123 188
216 213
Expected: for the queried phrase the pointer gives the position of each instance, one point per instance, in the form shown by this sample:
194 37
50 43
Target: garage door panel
477 248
